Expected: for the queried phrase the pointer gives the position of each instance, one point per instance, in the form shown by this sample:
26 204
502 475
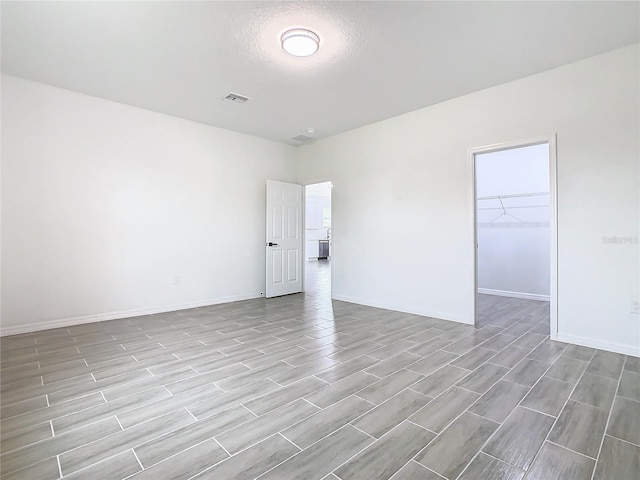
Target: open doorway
515 234
317 239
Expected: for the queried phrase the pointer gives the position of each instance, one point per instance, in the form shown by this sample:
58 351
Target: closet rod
514 195
519 206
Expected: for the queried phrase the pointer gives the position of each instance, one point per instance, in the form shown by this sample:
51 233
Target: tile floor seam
217 385
240 451
470 391
313 404
137 459
250 411
564 405
23 447
536 411
289 440
330 433
424 428
486 442
359 451
362 431
627 398
482 417
604 376
245 365
512 382
572 450
117 420
191 414
606 427
457 416
622 440
501 461
432 471
388 399
436 473
81 446
533 327
495 364
221 446
483 445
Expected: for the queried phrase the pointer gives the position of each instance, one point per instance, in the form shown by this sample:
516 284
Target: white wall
402 212
514 232
104 204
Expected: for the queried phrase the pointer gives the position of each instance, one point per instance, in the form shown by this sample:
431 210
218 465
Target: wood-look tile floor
300 387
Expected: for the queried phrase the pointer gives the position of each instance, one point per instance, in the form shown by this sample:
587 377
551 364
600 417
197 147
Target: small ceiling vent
302 138
234 97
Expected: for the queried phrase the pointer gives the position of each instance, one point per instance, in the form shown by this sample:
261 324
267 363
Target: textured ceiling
377 59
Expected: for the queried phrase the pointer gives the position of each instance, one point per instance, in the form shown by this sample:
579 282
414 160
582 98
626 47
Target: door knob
271 244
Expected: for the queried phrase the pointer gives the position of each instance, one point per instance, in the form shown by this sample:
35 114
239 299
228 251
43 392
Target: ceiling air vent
302 138
234 97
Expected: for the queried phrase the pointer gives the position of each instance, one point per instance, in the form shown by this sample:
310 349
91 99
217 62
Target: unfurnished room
274 240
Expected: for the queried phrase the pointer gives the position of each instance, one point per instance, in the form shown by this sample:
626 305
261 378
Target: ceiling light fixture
300 42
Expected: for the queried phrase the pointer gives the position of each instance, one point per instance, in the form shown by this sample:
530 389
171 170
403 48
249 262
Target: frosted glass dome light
300 42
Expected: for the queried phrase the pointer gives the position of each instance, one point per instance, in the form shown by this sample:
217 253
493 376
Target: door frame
304 233
553 189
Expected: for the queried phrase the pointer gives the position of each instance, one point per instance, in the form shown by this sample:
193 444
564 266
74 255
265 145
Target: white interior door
284 238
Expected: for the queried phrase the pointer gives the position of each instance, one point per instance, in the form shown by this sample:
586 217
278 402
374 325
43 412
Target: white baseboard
101 317
506 293
595 343
413 309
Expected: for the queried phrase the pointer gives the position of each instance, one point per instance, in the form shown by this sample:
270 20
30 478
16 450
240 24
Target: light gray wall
104 205
403 212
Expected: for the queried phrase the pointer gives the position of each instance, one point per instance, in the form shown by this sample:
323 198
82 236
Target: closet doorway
514 198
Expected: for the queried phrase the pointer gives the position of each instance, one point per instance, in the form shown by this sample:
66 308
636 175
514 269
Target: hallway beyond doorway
317 280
